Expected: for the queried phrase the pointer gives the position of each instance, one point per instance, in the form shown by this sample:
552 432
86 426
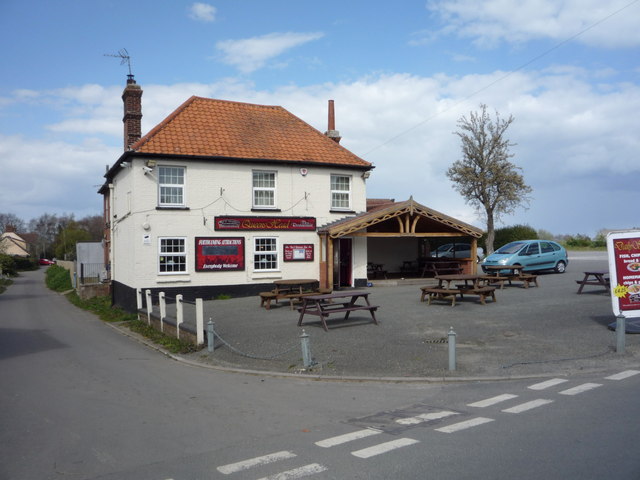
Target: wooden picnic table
595 278
325 305
495 274
291 289
471 286
439 267
294 285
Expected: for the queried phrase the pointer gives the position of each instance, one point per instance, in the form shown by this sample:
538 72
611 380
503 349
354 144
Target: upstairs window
171 186
264 189
340 192
265 254
172 255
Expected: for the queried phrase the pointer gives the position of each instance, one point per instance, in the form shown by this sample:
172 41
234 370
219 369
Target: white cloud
202 12
603 24
574 140
251 54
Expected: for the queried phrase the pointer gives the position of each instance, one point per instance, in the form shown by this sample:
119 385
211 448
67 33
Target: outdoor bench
439 293
482 292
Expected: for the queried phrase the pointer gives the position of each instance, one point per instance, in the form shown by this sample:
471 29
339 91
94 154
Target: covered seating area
403 240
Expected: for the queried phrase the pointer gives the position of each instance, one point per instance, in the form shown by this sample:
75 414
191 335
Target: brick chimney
132 99
332 133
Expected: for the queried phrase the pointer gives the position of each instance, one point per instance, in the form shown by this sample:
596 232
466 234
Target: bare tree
11 220
484 176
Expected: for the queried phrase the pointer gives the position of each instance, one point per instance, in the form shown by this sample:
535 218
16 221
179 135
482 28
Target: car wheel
560 267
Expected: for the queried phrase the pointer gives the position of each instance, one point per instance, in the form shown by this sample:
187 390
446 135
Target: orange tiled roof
218 128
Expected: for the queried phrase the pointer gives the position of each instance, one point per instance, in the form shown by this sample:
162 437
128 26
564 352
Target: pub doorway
342 263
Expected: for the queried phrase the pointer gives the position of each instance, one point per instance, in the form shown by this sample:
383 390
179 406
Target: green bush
8 265
24 264
511 234
578 241
58 278
4 283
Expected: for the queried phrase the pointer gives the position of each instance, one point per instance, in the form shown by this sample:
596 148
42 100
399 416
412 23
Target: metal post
620 333
211 338
306 350
452 349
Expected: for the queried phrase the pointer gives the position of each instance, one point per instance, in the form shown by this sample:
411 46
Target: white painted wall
215 189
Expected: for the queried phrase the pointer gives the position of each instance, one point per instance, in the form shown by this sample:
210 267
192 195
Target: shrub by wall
58 278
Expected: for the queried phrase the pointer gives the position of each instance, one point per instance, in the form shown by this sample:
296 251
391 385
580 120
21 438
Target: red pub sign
624 270
265 223
217 254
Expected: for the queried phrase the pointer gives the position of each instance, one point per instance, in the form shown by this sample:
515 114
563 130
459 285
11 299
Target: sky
402 75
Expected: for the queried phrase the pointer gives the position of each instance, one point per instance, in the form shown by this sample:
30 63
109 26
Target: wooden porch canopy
401 219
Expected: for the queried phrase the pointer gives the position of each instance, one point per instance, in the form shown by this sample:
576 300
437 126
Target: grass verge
4 283
101 306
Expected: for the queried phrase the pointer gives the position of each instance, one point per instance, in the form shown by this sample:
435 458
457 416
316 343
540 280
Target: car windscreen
509 248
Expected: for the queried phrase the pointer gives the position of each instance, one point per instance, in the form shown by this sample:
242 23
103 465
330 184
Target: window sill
333 210
159 207
264 209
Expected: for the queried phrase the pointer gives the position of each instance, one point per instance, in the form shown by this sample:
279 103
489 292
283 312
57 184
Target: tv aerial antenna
124 55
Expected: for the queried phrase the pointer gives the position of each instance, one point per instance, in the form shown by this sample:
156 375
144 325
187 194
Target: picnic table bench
596 278
291 290
496 275
325 305
444 290
440 267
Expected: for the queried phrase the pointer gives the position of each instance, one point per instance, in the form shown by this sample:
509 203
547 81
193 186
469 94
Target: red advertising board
217 254
624 271
265 223
298 252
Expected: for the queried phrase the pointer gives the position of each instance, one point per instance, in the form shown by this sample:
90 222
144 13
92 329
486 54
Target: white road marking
549 383
492 401
523 407
383 448
456 427
623 375
347 437
305 471
254 462
425 417
580 389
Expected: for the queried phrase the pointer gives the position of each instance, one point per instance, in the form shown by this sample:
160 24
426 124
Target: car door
549 255
530 257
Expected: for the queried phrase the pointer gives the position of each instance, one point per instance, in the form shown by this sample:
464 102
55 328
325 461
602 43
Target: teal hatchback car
532 255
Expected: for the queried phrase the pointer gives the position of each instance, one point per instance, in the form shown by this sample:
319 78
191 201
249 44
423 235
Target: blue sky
401 76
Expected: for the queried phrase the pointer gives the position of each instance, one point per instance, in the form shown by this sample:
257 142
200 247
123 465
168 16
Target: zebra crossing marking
548 384
254 462
623 375
523 407
384 447
580 389
347 437
300 472
425 417
492 401
456 427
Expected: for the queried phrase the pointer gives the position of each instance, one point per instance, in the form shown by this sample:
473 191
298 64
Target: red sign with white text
217 254
624 266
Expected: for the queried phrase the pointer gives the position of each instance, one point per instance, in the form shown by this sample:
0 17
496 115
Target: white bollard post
149 306
139 298
179 314
199 322
163 310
